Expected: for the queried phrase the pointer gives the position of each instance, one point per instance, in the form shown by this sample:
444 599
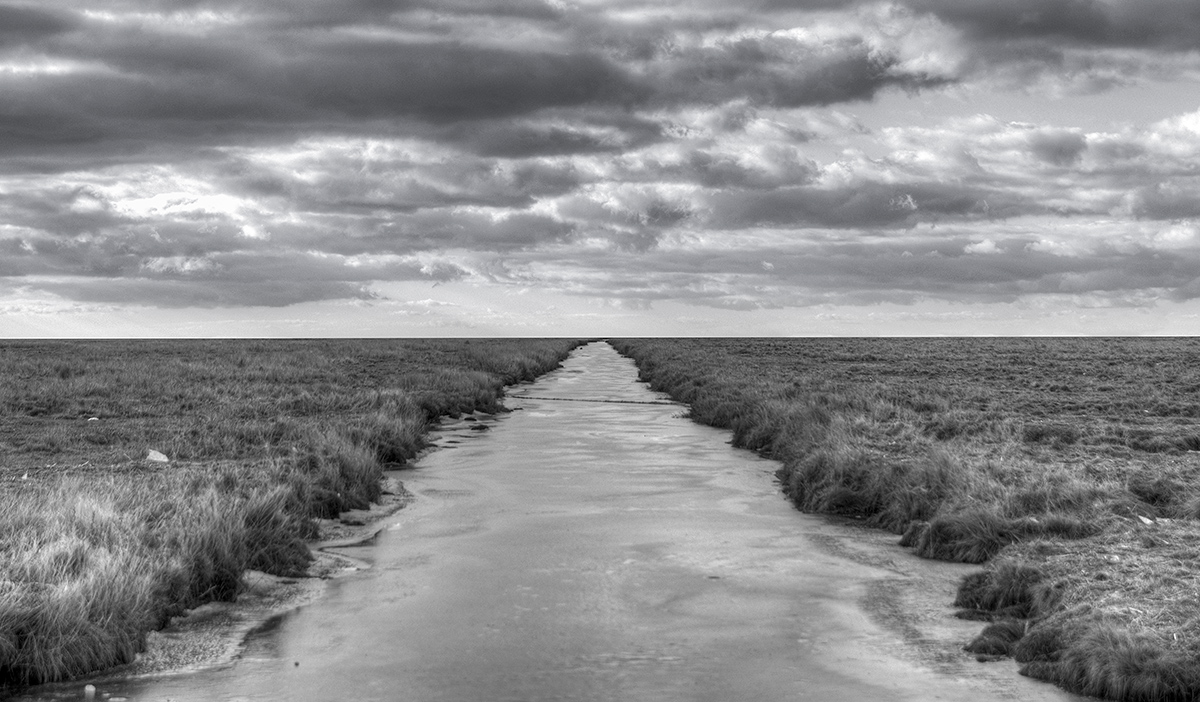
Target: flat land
595 546
1068 466
139 479
99 406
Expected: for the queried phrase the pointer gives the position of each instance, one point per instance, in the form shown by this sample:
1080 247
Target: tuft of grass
91 565
970 536
1117 618
1110 662
1008 591
1059 435
998 638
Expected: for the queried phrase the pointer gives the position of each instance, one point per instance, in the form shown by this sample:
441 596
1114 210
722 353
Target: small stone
1145 520
157 457
93 419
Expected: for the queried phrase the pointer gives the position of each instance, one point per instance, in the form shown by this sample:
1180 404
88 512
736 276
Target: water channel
594 545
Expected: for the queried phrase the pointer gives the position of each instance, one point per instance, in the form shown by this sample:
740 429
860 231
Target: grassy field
99 545
1068 466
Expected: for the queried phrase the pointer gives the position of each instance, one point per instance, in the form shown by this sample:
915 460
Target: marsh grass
1041 457
98 547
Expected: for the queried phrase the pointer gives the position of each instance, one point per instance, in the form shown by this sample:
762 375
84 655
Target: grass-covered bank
1069 466
99 546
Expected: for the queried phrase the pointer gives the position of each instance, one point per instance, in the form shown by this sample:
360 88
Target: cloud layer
184 153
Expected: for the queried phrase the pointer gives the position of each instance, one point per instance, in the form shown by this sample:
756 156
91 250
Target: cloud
223 153
23 24
1169 24
189 293
782 72
1082 46
559 133
862 204
1172 200
1058 147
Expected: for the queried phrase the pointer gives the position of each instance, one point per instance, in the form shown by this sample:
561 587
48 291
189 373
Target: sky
427 168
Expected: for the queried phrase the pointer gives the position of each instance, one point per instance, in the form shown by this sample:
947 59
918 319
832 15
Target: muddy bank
214 634
911 602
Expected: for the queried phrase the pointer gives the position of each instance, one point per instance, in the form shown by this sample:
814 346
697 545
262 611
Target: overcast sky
599 167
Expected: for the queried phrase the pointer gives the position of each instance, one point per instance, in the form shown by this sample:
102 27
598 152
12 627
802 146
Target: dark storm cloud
1082 46
340 13
567 132
1058 147
1174 200
336 82
265 75
433 230
23 24
1170 24
451 82
723 171
203 293
264 72
515 141
65 211
133 86
862 205
780 72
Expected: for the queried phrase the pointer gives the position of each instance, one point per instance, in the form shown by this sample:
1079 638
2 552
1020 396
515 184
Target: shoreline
213 635
913 606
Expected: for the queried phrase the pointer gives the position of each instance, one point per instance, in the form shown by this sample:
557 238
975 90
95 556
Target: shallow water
587 546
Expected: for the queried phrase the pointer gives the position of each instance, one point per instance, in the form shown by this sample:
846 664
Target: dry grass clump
979 450
91 565
72 599
1116 616
998 638
97 547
